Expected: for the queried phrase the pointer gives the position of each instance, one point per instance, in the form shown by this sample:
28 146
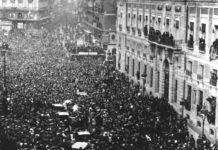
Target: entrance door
166 79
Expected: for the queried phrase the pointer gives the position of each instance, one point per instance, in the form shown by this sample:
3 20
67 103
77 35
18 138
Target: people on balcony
165 38
202 44
191 41
214 50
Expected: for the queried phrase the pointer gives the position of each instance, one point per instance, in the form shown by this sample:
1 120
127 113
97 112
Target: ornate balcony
164 40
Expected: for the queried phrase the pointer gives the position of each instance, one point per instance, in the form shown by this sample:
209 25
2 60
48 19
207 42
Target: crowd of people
114 111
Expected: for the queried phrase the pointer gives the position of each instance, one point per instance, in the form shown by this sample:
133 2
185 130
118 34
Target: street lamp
203 113
5 48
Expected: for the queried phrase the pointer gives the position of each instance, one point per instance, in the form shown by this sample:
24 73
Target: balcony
128 29
188 73
164 40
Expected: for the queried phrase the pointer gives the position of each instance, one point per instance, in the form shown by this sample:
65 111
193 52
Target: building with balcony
23 14
100 20
170 48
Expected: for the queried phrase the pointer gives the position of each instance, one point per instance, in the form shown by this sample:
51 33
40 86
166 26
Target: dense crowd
114 111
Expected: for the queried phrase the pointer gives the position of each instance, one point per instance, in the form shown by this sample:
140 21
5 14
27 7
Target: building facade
23 14
170 48
100 20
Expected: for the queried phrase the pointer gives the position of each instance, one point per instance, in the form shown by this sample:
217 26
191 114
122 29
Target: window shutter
195 67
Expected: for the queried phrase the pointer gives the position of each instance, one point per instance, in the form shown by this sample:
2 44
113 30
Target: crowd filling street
112 109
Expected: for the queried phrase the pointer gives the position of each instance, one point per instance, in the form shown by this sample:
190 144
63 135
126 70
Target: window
191 26
158 81
139 71
175 92
4 1
140 18
211 131
128 15
133 67
145 72
204 11
188 99
198 123
151 78
189 68
167 22
113 37
200 100
159 20
177 24
203 28
20 1
200 75
30 1
213 79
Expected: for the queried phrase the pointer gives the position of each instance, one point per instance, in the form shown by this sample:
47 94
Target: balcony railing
165 39
188 73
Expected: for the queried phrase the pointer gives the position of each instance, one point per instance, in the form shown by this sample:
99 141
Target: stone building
170 48
100 20
23 14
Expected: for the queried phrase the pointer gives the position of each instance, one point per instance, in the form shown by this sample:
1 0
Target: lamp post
203 113
4 48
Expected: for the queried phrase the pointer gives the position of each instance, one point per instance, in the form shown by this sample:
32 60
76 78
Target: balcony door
166 79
